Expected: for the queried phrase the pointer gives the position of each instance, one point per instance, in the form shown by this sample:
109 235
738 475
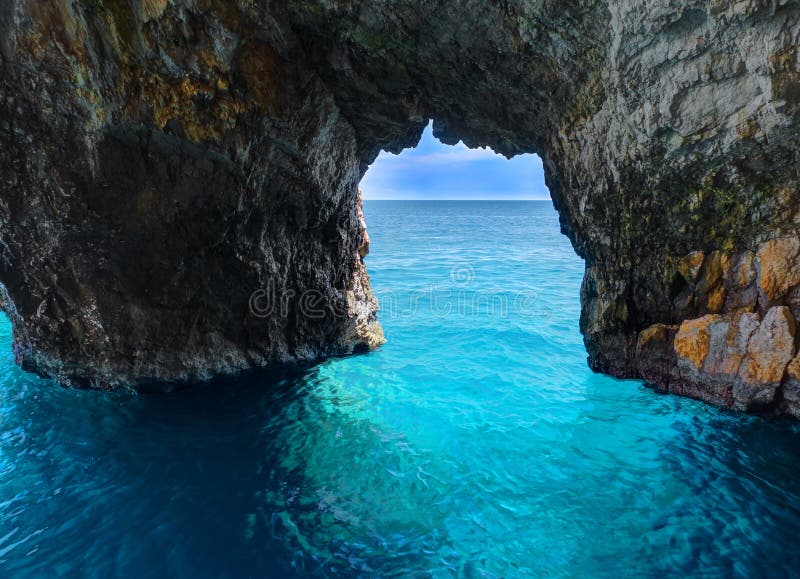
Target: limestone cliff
162 160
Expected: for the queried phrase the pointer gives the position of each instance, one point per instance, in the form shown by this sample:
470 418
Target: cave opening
465 237
435 171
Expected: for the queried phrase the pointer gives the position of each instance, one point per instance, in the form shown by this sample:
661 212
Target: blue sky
434 170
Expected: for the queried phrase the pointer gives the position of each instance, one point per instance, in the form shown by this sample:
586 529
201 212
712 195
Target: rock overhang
214 147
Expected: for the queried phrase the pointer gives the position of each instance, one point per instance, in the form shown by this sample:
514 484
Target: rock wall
179 196
164 159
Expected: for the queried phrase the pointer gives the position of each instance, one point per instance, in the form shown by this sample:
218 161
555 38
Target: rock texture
164 159
178 195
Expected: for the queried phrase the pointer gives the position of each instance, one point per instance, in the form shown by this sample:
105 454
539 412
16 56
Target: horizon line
438 200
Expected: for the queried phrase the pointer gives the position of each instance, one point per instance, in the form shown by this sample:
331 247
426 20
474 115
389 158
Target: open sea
475 443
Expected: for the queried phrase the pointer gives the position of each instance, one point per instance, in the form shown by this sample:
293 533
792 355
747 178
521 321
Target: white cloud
458 154
438 171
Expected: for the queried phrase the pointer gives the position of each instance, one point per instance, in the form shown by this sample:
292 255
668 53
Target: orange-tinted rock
715 299
710 289
728 343
780 266
769 352
736 359
655 333
771 348
702 346
711 273
692 340
689 267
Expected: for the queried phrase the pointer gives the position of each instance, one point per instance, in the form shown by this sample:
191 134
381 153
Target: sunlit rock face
164 160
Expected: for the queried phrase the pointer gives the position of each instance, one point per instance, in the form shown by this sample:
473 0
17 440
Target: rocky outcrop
164 161
178 196
738 355
741 359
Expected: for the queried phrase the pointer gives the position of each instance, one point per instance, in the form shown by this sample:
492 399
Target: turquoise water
476 443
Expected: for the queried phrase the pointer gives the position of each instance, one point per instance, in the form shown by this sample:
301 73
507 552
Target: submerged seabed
476 443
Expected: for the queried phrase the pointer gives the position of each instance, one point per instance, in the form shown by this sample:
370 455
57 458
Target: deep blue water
476 443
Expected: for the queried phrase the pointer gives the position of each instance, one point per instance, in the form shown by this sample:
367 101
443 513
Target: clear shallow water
476 443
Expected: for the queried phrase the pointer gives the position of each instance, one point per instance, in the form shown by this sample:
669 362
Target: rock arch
162 160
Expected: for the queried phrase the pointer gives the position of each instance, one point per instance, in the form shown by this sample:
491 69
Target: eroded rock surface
164 159
741 355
